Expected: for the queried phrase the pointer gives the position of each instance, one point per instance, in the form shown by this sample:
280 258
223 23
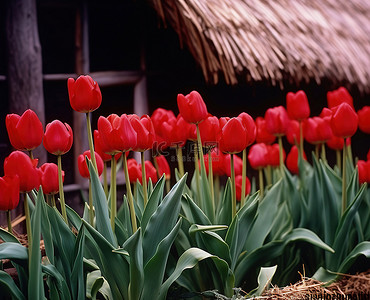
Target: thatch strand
278 41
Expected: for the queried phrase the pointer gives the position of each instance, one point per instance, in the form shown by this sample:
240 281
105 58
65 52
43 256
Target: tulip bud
233 137
344 121
192 107
297 106
364 119
339 96
84 94
292 160
258 156
49 178
277 120
25 132
238 186
58 138
9 192
82 165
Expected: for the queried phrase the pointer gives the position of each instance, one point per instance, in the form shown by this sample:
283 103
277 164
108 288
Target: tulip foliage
248 213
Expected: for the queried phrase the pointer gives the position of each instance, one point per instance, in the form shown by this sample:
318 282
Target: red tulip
209 130
20 164
297 106
25 132
150 172
238 165
9 192
222 121
249 126
117 134
134 170
99 146
218 164
364 119
159 116
84 94
163 167
326 113
49 178
292 160
263 136
238 186
233 137
277 120
292 134
258 156
317 130
192 107
273 155
145 132
344 121
363 171
339 96
335 143
58 138
82 165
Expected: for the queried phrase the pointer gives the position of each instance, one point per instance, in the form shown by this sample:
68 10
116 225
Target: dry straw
279 41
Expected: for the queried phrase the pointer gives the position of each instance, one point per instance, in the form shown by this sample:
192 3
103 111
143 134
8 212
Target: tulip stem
301 138
233 188
113 193
339 160
244 175
9 219
53 200
61 192
129 195
344 183
105 180
145 186
281 156
156 166
30 154
323 152
180 161
317 148
269 175
210 177
217 190
197 175
261 184
28 223
91 206
91 142
168 185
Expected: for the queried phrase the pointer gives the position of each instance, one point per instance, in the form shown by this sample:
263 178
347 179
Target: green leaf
343 230
240 228
211 241
60 283
188 260
192 212
153 201
154 270
35 282
209 209
8 286
225 215
14 252
109 263
77 274
73 217
264 279
264 223
96 283
6 236
101 206
46 230
124 216
135 249
275 249
163 220
361 249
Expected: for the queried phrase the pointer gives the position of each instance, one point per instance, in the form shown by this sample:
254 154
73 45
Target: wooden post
25 80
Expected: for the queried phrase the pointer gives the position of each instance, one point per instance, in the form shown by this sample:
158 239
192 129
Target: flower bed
198 236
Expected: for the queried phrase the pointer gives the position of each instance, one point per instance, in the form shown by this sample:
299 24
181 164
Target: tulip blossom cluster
222 138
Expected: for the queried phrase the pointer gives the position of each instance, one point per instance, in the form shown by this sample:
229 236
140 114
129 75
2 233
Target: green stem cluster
129 195
61 192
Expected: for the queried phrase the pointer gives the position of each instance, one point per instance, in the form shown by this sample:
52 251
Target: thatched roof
280 41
